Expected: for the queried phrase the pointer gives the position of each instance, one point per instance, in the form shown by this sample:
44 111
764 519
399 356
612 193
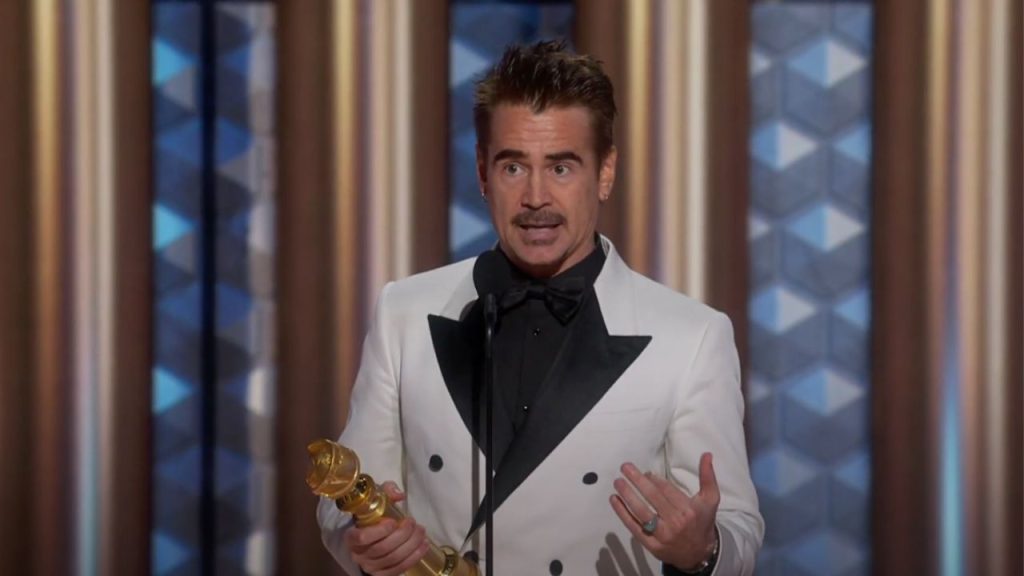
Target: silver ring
650 526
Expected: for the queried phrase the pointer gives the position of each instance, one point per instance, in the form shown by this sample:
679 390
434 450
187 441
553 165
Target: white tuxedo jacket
652 378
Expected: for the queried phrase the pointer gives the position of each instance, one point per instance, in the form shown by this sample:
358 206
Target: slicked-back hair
544 75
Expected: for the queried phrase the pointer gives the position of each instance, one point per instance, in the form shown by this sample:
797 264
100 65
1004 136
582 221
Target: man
617 415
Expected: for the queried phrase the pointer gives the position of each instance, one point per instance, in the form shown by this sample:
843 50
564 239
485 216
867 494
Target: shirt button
525 408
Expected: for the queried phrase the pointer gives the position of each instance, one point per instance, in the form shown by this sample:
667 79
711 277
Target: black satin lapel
587 367
459 348
459 359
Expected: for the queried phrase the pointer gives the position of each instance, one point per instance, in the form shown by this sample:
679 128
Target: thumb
708 483
391 489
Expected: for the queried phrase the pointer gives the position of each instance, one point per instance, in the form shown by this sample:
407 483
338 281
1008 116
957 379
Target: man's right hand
388 548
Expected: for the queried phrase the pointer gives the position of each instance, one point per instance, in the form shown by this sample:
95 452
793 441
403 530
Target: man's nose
536 194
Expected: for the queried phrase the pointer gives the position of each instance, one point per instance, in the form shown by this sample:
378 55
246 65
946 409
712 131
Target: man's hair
543 75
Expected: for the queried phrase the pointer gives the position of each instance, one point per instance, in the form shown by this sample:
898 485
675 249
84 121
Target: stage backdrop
173 330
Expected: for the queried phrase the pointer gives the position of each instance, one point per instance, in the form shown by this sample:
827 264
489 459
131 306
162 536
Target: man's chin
539 260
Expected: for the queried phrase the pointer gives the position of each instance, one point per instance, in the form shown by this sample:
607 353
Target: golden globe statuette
334 473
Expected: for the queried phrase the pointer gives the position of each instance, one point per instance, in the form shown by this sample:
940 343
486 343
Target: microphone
490 322
485 276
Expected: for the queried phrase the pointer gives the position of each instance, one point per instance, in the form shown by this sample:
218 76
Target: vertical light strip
379 189
680 128
46 174
941 314
48 286
638 189
106 246
345 225
85 281
969 181
675 200
696 150
996 377
674 156
402 225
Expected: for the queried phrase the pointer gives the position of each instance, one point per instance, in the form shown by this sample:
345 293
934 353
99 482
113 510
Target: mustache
540 218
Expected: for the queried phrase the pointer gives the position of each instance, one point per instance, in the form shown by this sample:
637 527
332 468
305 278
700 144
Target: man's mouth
541 234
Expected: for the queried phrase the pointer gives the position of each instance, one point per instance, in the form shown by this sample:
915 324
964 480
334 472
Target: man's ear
606 177
481 170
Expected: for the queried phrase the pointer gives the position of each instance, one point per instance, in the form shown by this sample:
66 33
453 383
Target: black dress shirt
529 337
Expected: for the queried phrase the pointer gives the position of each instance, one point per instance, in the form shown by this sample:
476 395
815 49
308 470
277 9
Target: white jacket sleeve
373 428
709 418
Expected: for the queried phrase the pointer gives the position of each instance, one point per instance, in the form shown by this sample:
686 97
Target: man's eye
513 169
561 170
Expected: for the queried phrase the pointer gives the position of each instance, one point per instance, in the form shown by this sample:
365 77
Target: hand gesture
678 529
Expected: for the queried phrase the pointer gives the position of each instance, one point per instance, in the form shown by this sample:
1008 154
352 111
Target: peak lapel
458 339
590 362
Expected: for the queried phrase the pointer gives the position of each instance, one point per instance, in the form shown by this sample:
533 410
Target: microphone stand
490 322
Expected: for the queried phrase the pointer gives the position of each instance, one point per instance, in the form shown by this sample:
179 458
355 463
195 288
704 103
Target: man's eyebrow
507 154
563 156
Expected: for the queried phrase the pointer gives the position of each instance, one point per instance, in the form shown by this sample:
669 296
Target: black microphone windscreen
488 271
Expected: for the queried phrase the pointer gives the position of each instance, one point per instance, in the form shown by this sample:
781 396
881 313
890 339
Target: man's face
540 176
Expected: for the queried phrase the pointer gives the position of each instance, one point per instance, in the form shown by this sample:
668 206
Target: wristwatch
705 568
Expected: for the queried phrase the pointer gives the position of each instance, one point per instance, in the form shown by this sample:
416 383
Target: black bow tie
563 296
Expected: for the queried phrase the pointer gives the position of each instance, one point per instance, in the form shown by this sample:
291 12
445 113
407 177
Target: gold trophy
334 473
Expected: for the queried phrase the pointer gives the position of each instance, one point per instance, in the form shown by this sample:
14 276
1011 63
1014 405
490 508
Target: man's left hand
684 535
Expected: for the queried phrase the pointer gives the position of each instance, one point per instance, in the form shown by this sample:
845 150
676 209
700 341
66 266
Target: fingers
404 550
359 539
409 562
708 483
685 527
388 548
635 505
629 521
650 491
392 491
404 531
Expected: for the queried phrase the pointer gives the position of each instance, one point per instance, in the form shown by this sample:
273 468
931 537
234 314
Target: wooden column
679 209
946 334
16 300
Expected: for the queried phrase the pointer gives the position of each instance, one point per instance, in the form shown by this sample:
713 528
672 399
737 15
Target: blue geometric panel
826 63
808 394
245 200
826 554
168 390
850 489
243 196
825 228
825 403
778 309
168 226
169 62
779 145
177 330
824 392
788 486
168 554
855 309
480 31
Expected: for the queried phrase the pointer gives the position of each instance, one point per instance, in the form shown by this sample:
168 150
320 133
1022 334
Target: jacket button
590 478
555 568
436 463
